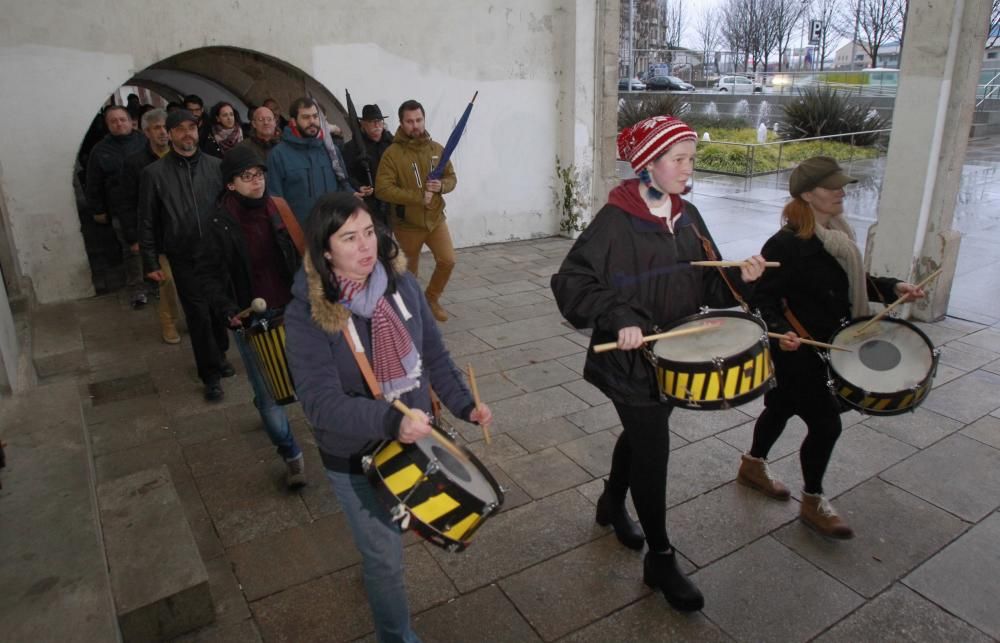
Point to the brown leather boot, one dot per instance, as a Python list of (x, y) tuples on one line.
[(817, 512), (167, 326), (439, 313), (754, 474)]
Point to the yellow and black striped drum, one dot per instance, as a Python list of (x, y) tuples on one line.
[(436, 486), (266, 338), (888, 370), (717, 369)]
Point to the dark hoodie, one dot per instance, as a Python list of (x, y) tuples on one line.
[(628, 269)]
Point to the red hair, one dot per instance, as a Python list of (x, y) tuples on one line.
[(798, 216)]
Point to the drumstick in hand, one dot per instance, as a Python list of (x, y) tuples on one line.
[(258, 306), (902, 298), (709, 325), (813, 342), (475, 397), (732, 264)]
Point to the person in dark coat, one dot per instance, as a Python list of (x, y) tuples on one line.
[(362, 156), (626, 275), (354, 282), (177, 196), (249, 254), (106, 193), (224, 130), (821, 283)]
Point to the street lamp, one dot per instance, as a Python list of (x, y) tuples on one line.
[(857, 20)]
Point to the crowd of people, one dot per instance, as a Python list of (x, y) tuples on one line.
[(218, 214)]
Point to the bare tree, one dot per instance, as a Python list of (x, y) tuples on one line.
[(826, 11), (783, 17), (709, 30), (675, 21), (877, 22)]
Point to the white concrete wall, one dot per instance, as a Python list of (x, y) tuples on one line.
[(59, 60)]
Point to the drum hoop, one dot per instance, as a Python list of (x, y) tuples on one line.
[(837, 376), (656, 360)]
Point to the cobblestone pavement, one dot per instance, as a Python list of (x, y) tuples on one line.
[(922, 490)]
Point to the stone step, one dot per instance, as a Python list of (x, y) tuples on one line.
[(57, 343), (158, 579), (55, 580)]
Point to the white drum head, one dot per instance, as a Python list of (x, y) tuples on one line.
[(730, 337), (457, 466), (887, 357)]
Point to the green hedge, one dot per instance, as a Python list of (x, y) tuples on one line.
[(736, 159)]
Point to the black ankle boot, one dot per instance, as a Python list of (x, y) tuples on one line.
[(610, 512), (660, 571)]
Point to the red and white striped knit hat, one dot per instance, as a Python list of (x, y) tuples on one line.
[(647, 140)]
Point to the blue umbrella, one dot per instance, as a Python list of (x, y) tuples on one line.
[(438, 171)]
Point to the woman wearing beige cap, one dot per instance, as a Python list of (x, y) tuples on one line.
[(821, 282)]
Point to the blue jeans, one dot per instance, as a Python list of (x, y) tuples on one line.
[(274, 417), (380, 543)]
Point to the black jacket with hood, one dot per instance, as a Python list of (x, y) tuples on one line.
[(628, 269)]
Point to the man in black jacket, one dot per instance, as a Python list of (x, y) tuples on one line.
[(177, 196), (154, 126), (362, 157), (106, 192)]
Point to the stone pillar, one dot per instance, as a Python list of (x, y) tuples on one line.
[(588, 110), (937, 91)]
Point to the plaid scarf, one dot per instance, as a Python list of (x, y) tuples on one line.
[(395, 359), (227, 138)]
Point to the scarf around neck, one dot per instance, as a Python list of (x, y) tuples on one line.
[(227, 138), (395, 360), (838, 239)]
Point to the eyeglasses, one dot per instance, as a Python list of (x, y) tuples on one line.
[(252, 175)]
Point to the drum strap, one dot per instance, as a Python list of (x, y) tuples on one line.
[(711, 256), (793, 320), (291, 224), (363, 364)]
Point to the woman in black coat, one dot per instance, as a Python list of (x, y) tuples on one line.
[(820, 284), (627, 274)]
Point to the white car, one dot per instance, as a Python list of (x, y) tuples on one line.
[(738, 85)]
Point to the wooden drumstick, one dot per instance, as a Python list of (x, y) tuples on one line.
[(813, 342), (732, 264), (475, 397), (902, 298), (258, 306), (712, 325)]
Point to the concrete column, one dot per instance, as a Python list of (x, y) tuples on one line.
[(937, 91)]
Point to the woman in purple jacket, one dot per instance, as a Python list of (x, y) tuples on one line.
[(354, 281)]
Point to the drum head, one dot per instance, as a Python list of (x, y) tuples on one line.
[(732, 336), (459, 466), (888, 357)]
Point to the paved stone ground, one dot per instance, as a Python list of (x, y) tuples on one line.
[(922, 490)]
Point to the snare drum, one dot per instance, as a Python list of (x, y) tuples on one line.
[(437, 484), (888, 370), (266, 338), (717, 369)]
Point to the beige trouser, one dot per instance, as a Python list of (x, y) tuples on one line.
[(169, 313), (439, 241)]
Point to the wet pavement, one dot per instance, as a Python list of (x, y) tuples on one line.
[(922, 490)]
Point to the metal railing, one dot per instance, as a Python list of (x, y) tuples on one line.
[(990, 89), (780, 160)]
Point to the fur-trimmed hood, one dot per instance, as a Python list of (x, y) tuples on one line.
[(328, 315)]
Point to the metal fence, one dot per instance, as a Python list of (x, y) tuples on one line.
[(758, 159)]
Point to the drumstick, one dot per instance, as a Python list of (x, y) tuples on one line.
[(732, 264), (408, 412), (888, 308), (475, 397), (258, 306), (610, 346), (813, 342)]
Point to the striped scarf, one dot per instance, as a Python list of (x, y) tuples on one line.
[(395, 359)]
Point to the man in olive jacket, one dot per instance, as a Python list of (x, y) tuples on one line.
[(419, 218)]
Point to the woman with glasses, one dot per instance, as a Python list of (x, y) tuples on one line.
[(250, 254)]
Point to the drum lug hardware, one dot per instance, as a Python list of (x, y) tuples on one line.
[(704, 310), (432, 467), (366, 463), (830, 384), (490, 508), (453, 548), (401, 515)]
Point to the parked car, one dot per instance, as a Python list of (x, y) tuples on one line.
[(669, 83), (637, 85), (738, 85)]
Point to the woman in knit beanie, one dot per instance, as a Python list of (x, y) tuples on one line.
[(627, 275)]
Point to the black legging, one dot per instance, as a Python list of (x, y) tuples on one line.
[(821, 413), (639, 462)]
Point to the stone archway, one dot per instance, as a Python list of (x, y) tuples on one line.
[(239, 76)]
